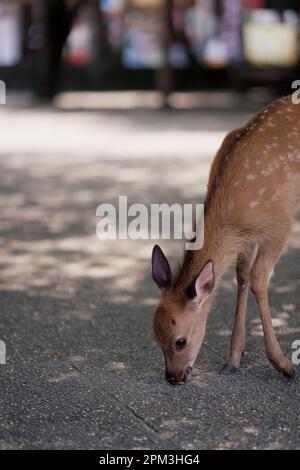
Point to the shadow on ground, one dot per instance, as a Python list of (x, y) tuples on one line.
[(82, 368)]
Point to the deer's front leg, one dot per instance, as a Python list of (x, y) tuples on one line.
[(237, 341)]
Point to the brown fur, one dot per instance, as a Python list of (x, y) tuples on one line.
[(253, 191)]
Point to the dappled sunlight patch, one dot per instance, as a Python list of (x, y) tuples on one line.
[(118, 366), (120, 298), (84, 314), (284, 289), (228, 284), (256, 330), (51, 193), (291, 330), (64, 377), (225, 445), (150, 301), (77, 359), (69, 129), (175, 423), (251, 430), (280, 321), (64, 290), (223, 332), (41, 263), (275, 445), (289, 307), (11, 200)]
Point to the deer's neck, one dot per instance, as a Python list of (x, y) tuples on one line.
[(221, 246)]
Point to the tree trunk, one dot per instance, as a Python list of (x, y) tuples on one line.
[(57, 20)]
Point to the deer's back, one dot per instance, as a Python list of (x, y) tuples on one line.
[(255, 177)]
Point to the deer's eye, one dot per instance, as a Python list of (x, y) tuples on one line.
[(180, 343)]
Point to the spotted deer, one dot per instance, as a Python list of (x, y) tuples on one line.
[(253, 192)]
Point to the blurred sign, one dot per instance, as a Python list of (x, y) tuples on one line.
[(270, 44), (10, 34), (79, 44), (142, 40), (82, 38), (112, 7)]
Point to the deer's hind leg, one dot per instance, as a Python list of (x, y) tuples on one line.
[(236, 349), (259, 277)]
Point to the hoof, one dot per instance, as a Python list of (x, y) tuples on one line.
[(228, 369), (288, 371), (291, 376)]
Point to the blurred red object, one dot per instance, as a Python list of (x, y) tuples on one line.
[(254, 4)]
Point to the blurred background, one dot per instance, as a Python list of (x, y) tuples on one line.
[(161, 45), (129, 97)]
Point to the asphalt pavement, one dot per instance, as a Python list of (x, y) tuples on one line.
[(83, 370)]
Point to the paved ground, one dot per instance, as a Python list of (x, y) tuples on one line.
[(82, 368)]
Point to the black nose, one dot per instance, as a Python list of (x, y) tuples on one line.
[(181, 378), (170, 378)]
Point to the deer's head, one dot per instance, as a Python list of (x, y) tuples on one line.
[(180, 318)]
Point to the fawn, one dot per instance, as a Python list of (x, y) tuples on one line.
[(253, 192)]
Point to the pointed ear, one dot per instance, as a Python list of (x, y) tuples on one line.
[(161, 271), (203, 285)]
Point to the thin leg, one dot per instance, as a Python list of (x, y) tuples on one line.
[(237, 341), (259, 278)]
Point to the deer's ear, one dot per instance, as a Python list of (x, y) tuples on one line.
[(161, 271), (205, 282)]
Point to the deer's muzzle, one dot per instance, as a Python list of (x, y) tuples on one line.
[(179, 378)]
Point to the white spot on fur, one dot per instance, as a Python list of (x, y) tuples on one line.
[(253, 204)]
